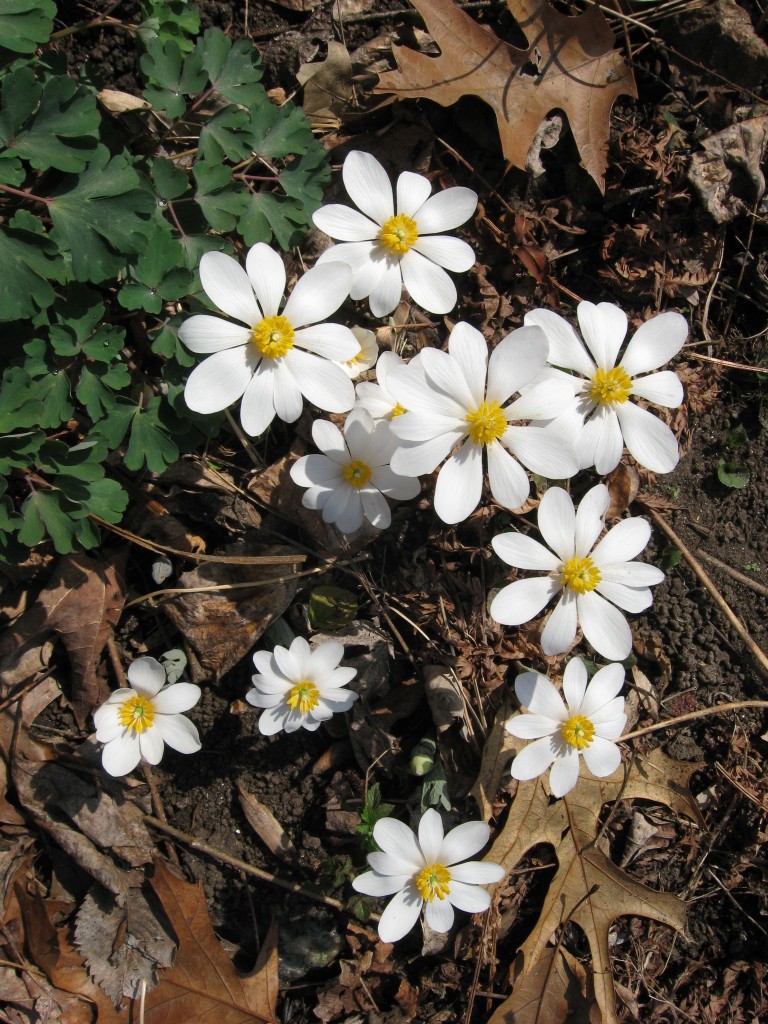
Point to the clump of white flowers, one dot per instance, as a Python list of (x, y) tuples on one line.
[(429, 870)]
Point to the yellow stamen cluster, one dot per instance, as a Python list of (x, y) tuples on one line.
[(303, 695), (433, 881), (397, 411), (611, 387), (356, 473), (137, 713), (273, 337), (580, 574), (578, 731), (399, 234), (487, 423)]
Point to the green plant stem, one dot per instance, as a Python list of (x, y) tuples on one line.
[(24, 195), (716, 709)]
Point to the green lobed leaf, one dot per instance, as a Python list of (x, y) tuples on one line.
[(19, 450), (279, 131), (234, 69), (226, 135), (48, 513), (149, 442), (29, 260), (96, 390), (106, 498), (171, 76), (25, 24), (220, 199), (80, 461), (169, 180), (113, 428), (307, 178), (158, 275), (103, 217), (52, 385), (177, 19), (20, 404), (268, 215)]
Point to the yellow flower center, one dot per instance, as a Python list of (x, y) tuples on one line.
[(399, 234), (578, 731), (137, 713), (397, 411), (303, 695), (273, 337), (611, 387), (356, 473), (486, 423), (355, 360), (433, 881), (580, 574)]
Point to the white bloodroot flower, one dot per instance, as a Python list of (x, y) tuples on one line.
[(589, 721), (592, 580), (348, 482), (376, 399), (386, 249), (604, 386), (427, 870), (461, 397), (300, 687), (277, 357), (138, 721), (366, 356)]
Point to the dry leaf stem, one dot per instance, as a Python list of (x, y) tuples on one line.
[(716, 709)]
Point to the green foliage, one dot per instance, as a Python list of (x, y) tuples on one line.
[(373, 810), (331, 607), (101, 233), (732, 475)]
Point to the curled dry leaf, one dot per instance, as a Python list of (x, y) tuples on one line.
[(267, 827), (328, 90), (556, 991), (570, 65)]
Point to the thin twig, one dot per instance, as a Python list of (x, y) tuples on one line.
[(244, 440), (722, 604), (734, 573), (727, 362), (716, 709)]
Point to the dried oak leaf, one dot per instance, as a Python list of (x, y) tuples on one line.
[(589, 890), (203, 984), (570, 65), (556, 990)]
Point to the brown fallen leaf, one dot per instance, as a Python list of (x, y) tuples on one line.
[(203, 984), (570, 64), (328, 90), (589, 890), (556, 991), (82, 604), (267, 827)]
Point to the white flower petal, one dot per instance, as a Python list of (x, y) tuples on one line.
[(286, 395), (345, 509), (288, 661), (649, 441), (469, 351), (147, 676), (522, 600), (557, 522), (565, 347), (539, 695), (329, 439), (179, 733), (508, 482), (396, 839), (420, 396), (383, 290), (655, 343), (534, 759), (476, 872), (332, 341), (544, 400), (460, 484), (468, 898), (400, 914), (373, 884), (565, 772), (604, 626), (427, 284), (602, 757), (574, 685), (401, 488), (421, 459), (610, 721), (630, 599), (325, 658), (601, 439), (151, 745), (524, 552), (375, 508), (463, 841), (413, 190), (663, 388), (430, 835), (357, 256), (590, 520), (623, 541), (317, 294), (446, 210), (176, 698), (107, 722), (446, 251), (603, 328), (266, 272), (221, 379), (344, 223), (634, 574), (226, 284), (439, 915), (368, 186), (515, 363), (385, 864), (605, 684), (315, 470), (531, 727), (204, 334), (257, 409), (321, 382), (273, 719), (121, 755), (560, 629), (542, 452), (259, 699)]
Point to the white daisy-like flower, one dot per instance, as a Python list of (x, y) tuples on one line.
[(367, 353), (589, 721), (431, 869), (348, 482), (460, 397), (604, 385), (592, 580), (387, 249), (138, 721), (299, 687), (278, 357), (376, 399)]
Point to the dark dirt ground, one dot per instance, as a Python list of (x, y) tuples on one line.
[(684, 644)]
